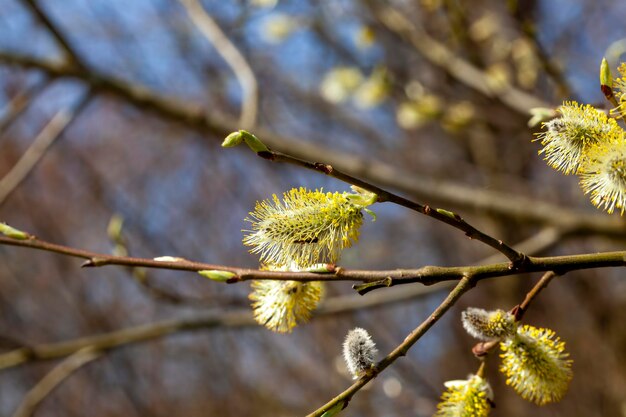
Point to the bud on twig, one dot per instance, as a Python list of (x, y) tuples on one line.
[(359, 351)]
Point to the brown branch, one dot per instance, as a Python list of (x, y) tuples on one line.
[(486, 202), (44, 140), (517, 259), (237, 318), (482, 349), (19, 103), (373, 279), (68, 50), (53, 379), (463, 286), (235, 60), (545, 280)]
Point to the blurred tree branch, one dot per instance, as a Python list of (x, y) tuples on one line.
[(42, 142), (68, 50), (235, 60), (53, 379)]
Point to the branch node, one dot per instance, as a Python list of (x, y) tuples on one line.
[(325, 168)]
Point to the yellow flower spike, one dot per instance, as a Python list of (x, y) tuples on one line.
[(619, 84), (305, 228), (536, 365), (466, 398), (603, 175), (281, 305), (568, 137), (488, 325)]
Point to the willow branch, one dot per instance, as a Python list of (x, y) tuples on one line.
[(452, 219), (372, 279), (486, 202), (231, 55), (145, 333), (53, 379), (35, 152), (545, 280), (463, 286), (68, 50), (482, 349)]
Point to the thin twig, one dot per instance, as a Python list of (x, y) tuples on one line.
[(517, 259), (545, 280), (53, 379), (235, 60), (482, 349), (69, 51), (52, 131), (463, 286), (19, 103)]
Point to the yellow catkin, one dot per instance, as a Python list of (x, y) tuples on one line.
[(465, 398), (305, 228), (536, 365), (567, 138)]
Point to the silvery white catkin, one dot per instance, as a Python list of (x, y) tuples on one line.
[(359, 351)]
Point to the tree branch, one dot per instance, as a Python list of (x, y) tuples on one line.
[(44, 140), (69, 51), (53, 379), (461, 288), (426, 275), (452, 219), (235, 60)]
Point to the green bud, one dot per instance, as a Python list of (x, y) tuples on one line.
[(252, 141), (13, 233), (319, 269), (336, 409), (362, 198), (114, 229), (605, 74), (232, 140), (220, 276), (446, 213)]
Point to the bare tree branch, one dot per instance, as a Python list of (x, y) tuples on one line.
[(426, 275), (69, 51), (53, 379), (461, 288), (19, 104), (233, 57), (52, 131)]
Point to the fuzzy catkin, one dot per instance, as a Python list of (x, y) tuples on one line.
[(359, 351)]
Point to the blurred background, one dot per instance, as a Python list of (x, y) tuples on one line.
[(115, 110)]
